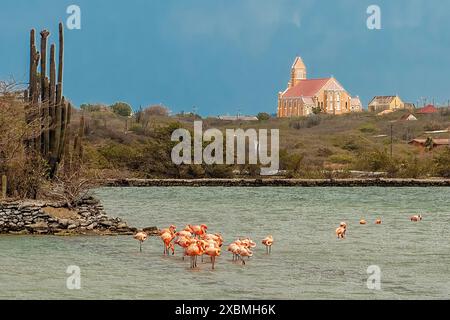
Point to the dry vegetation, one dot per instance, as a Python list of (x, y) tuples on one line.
[(323, 146)]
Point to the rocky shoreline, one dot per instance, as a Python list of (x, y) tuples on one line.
[(53, 218), (277, 182)]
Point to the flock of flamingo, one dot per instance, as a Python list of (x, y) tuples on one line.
[(195, 241), (342, 229)]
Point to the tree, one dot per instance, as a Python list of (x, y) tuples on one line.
[(121, 108), (157, 110), (316, 110), (263, 116)]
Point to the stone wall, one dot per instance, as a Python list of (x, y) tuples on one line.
[(39, 217), (273, 182)]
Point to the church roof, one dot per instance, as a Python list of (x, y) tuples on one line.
[(306, 88), (355, 101), (298, 63)]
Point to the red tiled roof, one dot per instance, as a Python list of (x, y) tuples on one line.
[(436, 142), (306, 88), (428, 109)]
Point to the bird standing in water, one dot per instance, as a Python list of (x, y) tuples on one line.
[(268, 241), (141, 236)]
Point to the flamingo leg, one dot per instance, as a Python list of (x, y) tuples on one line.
[(213, 260), (140, 246)]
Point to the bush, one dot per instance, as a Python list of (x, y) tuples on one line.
[(351, 145), (367, 128), (442, 163), (156, 110), (262, 116), (122, 109), (312, 121), (308, 122), (324, 152), (432, 126), (376, 160), (291, 162)]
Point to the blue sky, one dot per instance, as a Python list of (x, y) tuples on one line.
[(228, 55)]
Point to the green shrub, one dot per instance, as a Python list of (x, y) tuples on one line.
[(121, 108), (442, 163), (262, 116), (367, 128)]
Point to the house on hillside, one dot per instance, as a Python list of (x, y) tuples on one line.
[(430, 143), (381, 103), (429, 109), (408, 117), (355, 104), (303, 95)]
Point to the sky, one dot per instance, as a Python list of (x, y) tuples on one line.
[(230, 56)]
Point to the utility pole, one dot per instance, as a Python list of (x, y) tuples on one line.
[(392, 140)]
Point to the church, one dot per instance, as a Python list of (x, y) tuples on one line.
[(304, 96)]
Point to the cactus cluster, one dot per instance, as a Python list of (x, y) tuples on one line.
[(48, 112)]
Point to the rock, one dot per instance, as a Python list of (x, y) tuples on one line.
[(64, 233), (106, 223), (21, 232), (91, 226), (150, 229), (122, 225), (72, 226), (39, 225), (64, 222)]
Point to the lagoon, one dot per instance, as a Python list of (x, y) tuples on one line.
[(307, 261)]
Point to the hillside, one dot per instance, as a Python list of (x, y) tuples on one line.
[(317, 147)]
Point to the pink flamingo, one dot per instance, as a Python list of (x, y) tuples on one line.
[(141, 236), (268, 241)]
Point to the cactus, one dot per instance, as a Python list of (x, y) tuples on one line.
[(61, 55), (44, 36), (46, 120), (52, 98), (47, 109), (63, 126)]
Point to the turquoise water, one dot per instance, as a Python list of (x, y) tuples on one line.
[(307, 261)]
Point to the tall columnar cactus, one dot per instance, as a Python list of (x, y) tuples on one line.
[(61, 54), (52, 99), (44, 36), (46, 119), (47, 109)]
